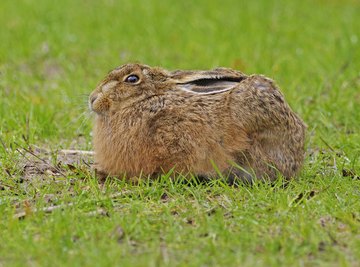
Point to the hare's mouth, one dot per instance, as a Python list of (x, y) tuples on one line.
[(92, 99), (99, 104)]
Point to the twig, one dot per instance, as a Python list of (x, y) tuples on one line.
[(82, 152), (68, 151), (23, 214), (99, 211)]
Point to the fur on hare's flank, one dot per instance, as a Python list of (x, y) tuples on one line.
[(151, 121)]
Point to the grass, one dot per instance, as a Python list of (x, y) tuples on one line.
[(52, 55)]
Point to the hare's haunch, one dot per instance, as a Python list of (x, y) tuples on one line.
[(150, 121)]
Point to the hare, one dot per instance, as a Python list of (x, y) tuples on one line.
[(204, 123)]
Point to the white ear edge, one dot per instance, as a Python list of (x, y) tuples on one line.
[(188, 89)]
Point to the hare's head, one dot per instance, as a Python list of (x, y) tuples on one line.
[(127, 83), (131, 83)]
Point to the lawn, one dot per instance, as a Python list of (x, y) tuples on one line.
[(55, 213)]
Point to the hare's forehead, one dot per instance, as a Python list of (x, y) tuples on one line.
[(123, 71)]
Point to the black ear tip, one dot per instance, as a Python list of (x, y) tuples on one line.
[(216, 80)]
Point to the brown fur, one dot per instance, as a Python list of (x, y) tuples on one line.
[(191, 120)]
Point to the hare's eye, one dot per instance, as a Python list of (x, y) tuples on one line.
[(132, 79)]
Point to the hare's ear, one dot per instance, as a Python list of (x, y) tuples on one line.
[(207, 82)]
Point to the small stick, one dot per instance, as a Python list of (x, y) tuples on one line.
[(82, 152), (22, 214), (50, 209), (99, 211)]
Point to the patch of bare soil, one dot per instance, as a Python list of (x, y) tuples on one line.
[(42, 163)]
